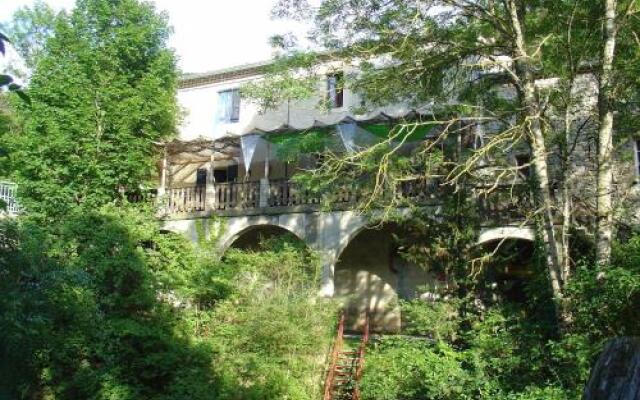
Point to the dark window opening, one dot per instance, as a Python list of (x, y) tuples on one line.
[(523, 161), (638, 157), (224, 175), (232, 173), (201, 177), (335, 90), (220, 175)]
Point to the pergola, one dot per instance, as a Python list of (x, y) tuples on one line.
[(257, 144)]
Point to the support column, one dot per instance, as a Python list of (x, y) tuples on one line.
[(264, 182), (161, 198), (327, 282), (210, 196), (163, 175)]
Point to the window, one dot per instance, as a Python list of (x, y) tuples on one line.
[(220, 175), (201, 177), (637, 155), (335, 90), (228, 174), (522, 161), (229, 105)]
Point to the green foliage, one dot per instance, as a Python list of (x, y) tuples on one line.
[(413, 369), (286, 81), (30, 28), (605, 301), (437, 320), (81, 309), (104, 306), (508, 350), (102, 92), (271, 332), (498, 354)]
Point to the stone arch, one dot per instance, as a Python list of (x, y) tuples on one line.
[(506, 232), (233, 227), (365, 279), (347, 238), (511, 266), (232, 238)]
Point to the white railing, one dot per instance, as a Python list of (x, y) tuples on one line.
[(241, 195), (186, 199), (8, 196)]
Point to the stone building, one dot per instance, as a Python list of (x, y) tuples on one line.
[(222, 177)]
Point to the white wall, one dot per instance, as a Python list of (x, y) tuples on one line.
[(199, 105)]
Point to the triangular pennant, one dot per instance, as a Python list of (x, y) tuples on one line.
[(347, 133), (249, 144)]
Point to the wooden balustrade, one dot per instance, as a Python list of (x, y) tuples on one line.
[(283, 192), (186, 199), (501, 204), (505, 203), (418, 190), (233, 195), (8, 196)]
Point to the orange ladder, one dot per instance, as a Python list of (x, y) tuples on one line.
[(345, 367)]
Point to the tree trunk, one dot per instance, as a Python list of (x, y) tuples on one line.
[(604, 229), (532, 121), (616, 374)]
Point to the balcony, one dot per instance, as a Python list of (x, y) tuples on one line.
[(233, 198), (504, 204)]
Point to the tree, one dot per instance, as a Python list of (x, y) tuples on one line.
[(617, 112), (103, 91), (477, 64), (518, 75), (30, 28)]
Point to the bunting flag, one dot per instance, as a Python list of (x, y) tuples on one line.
[(249, 143), (348, 136), (347, 133)]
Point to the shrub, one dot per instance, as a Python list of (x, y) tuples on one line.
[(271, 334), (437, 320)]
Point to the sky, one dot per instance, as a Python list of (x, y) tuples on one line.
[(208, 34)]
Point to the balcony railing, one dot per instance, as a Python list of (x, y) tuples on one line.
[(8, 197), (285, 193), (229, 196), (501, 204), (186, 199)]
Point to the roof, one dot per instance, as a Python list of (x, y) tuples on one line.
[(189, 80)]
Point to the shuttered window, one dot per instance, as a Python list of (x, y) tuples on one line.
[(229, 105), (335, 90)]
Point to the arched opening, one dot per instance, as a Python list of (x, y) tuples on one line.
[(371, 276), (511, 267), (252, 237)]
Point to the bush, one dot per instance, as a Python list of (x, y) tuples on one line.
[(103, 306), (271, 334), (83, 298), (437, 320), (414, 369), (503, 352)]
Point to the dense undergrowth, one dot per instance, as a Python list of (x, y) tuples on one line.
[(508, 349), (103, 306)]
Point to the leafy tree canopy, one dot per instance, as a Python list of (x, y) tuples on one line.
[(29, 30), (103, 91)]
